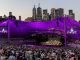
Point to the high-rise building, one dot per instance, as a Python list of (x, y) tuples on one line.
[(10, 13), (11, 16), (52, 13), (39, 13), (45, 11), (34, 13), (45, 15), (49, 16), (71, 14), (19, 17), (59, 12)]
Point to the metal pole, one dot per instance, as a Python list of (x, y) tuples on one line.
[(65, 30), (8, 31)]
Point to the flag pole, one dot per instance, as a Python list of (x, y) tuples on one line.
[(65, 32), (8, 31)]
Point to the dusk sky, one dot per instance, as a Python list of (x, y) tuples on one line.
[(24, 7)]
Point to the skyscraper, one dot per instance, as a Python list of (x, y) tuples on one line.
[(39, 13), (45, 11), (45, 15), (52, 13), (11, 16), (59, 12), (34, 14), (19, 17), (10, 13), (71, 14)]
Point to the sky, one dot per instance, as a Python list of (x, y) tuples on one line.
[(24, 7)]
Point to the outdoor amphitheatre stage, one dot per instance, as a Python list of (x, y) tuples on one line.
[(57, 32)]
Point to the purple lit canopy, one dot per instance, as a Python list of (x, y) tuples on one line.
[(21, 28)]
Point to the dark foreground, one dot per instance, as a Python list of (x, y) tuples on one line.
[(37, 53)]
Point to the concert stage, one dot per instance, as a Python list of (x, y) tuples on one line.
[(54, 32)]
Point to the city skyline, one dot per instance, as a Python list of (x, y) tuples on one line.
[(24, 8)]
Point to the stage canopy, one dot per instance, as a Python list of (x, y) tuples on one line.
[(62, 25)]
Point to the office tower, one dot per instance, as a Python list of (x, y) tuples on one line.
[(59, 12), (39, 13), (45, 15), (45, 11), (56, 13), (52, 13), (10, 13), (49, 16), (11, 16), (71, 14), (19, 17), (34, 13)]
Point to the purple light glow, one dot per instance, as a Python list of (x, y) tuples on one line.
[(3, 31), (20, 28)]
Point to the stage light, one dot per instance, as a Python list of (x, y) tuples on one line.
[(3, 31), (72, 31)]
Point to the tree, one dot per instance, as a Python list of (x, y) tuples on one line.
[(4, 16)]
